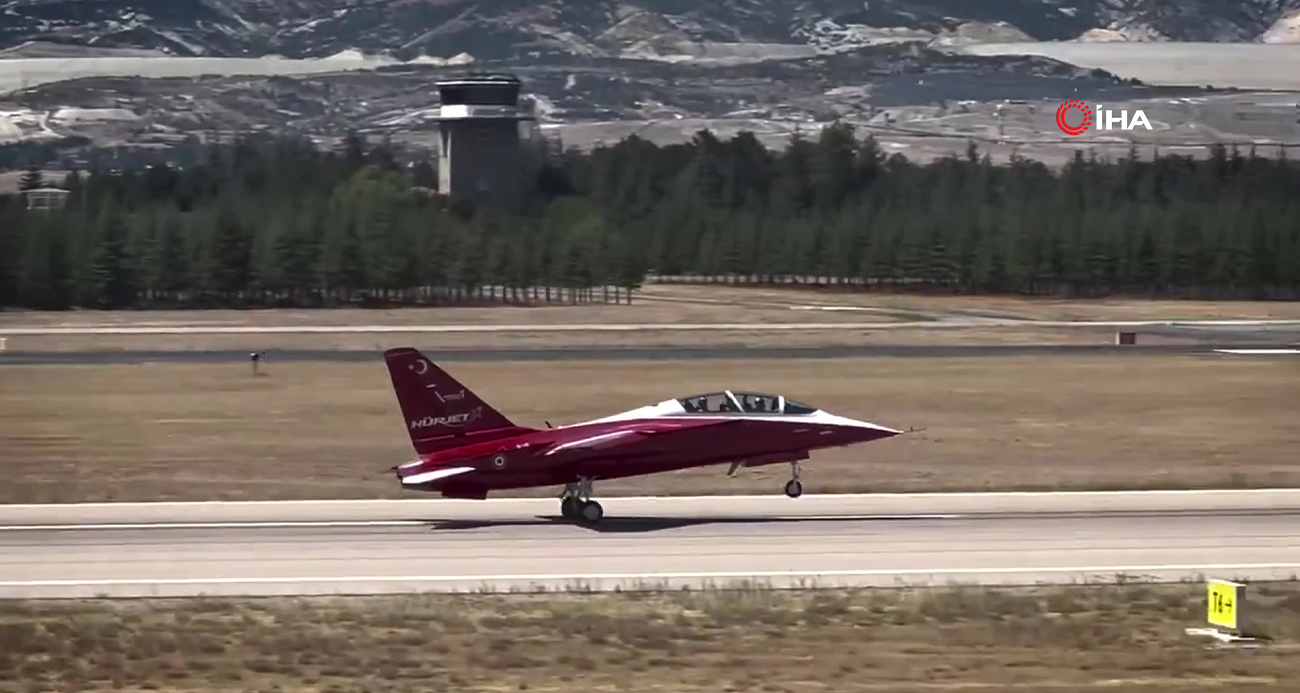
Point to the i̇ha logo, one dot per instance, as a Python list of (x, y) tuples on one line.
[(1106, 120), (1073, 105)]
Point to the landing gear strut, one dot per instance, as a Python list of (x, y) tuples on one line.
[(576, 503), (793, 488)]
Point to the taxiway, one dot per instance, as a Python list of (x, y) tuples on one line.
[(618, 353), (372, 547), (953, 323)]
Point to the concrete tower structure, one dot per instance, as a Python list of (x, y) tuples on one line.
[(480, 155)]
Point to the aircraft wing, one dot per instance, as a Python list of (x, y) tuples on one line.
[(599, 441), (602, 441)]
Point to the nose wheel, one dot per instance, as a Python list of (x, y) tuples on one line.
[(793, 487), (576, 503)]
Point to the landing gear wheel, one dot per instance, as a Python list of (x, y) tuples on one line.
[(793, 488), (592, 512), (570, 508)]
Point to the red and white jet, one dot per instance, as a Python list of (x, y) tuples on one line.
[(466, 448)]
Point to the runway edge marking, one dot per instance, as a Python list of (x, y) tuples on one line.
[(649, 576), (290, 524), (724, 497), (233, 524)]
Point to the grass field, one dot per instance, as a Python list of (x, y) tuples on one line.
[(1125, 638), (162, 432), (666, 304), (638, 312), (701, 304), (907, 305)]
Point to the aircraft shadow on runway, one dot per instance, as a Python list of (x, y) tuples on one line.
[(632, 524)]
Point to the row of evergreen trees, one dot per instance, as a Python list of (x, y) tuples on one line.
[(274, 221)]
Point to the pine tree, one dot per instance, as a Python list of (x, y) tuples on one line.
[(31, 179), (231, 255), (266, 220)]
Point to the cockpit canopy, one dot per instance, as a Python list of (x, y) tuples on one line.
[(728, 402)]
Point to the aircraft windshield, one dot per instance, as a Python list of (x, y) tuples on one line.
[(755, 403), (792, 407), (712, 403), (742, 402)]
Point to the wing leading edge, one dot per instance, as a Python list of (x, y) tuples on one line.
[(600, 441), (630, 436)]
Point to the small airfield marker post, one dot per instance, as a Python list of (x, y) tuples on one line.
[(2, 343), (1225, 612), (254, 358)]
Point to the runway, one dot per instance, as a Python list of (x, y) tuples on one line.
[(373, 547), (950, 323), (135, 357)]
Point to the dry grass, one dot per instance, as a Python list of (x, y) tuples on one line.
[(669, 311), (899, 305), (1116, 309), (1125, 638), (698, 304), (662, 303), (159, 432)]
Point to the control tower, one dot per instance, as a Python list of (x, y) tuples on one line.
[(480, 157)]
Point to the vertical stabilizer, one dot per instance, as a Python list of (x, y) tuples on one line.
[(440, 412)]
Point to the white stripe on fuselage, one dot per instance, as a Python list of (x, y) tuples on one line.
[(583, 442), (426, 477), (672, 409)]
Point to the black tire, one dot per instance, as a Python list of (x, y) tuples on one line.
[(570, 509), (592, 512)]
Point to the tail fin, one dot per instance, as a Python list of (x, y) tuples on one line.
[(440, 413)]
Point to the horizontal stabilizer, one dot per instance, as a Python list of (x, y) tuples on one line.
[(426, 477)]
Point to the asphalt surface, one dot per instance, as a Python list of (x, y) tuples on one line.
[(639, 327), (371, 547), (19, 358)]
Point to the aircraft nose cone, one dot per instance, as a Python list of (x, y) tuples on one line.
[(876, 430)]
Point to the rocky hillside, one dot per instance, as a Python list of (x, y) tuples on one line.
[(672, 29)]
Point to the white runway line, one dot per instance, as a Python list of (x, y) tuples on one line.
[(807, 497), (575, 577), (214, 525), (392, 523), (628, 327), (1258, 351)]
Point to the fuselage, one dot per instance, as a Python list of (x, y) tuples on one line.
[(719, 428)]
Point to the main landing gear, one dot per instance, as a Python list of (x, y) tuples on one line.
[(793, 488), (576, 503)]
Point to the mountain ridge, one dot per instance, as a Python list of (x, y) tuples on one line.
[(512, 29)]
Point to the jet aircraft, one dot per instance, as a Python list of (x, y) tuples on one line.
[(465, 448)]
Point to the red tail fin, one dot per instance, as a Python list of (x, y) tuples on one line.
[(440, 413)]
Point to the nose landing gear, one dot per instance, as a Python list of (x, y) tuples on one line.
[(576, 503), (793, 488)]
